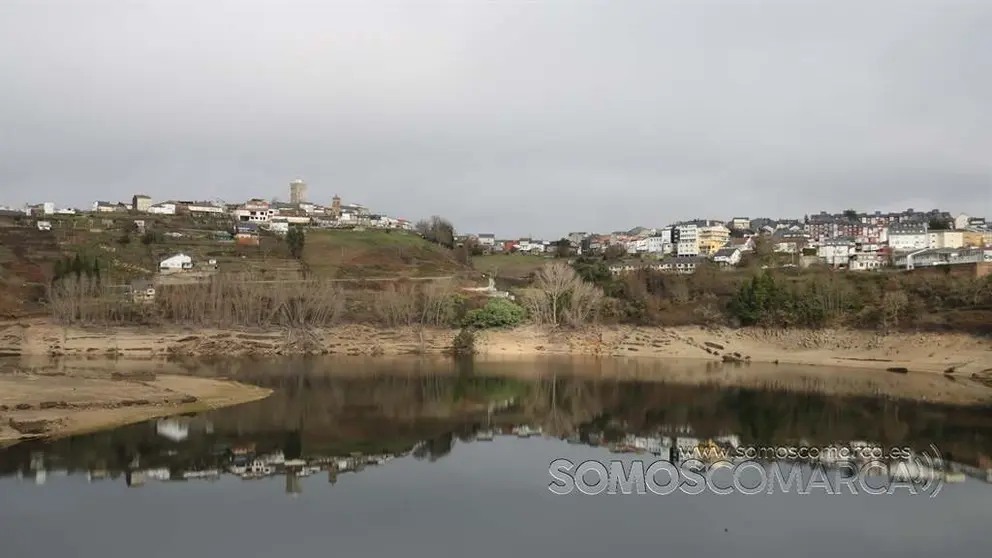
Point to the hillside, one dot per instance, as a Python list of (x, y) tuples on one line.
[(26, 260), (344, 254), (127, 251)]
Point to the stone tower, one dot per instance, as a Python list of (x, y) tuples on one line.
[(336, 207)]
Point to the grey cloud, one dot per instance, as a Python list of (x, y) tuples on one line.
[(514, 117)]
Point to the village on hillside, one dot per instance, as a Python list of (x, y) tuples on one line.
[(851, 240)]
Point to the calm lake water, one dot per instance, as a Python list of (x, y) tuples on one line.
[(357, 459)]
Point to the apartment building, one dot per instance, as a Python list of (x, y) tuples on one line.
[(908, 236), (712, 237), (685, 240)]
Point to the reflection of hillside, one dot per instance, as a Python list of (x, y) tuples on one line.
[(369, 414), (318, 413)]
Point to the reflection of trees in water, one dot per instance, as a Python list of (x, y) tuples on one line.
[(316, 411), (559, 403)]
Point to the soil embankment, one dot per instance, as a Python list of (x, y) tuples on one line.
[(943, 353)]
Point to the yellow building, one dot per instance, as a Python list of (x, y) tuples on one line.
[(975, 239), (712, 238)]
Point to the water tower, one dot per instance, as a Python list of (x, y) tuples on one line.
[(297, 192)]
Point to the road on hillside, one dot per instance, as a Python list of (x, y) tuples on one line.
[(182, 281)]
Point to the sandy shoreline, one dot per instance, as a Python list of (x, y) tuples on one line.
[(62, 401), (953, 353)]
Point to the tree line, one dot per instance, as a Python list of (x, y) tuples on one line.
[(792, 298)]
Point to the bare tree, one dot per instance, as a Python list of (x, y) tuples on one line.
[(583, 303), (559, 296), (436, 300), (396, 305), (894, 303)]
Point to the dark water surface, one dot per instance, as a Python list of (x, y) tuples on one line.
[(455, 462)]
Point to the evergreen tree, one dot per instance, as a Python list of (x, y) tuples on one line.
[(296, 240)]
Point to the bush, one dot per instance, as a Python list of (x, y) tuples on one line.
[(464, 343), (152, 237), (498, 312)]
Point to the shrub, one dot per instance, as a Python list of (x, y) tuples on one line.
[(498, 312), (464, 343), (152, 237)]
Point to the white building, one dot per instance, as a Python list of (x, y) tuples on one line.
[(105, 207), (685, 239), (961, 222), (728, 256), (650, 245), (255, 211), (867, 262), (141, 203), (179, 262), (906, 237), (165, 208), (203, 207), (279, 227), (487, 239), (836, 251), (739, 223), (683, 265), (946, 239), (291, 219), (531, 246)]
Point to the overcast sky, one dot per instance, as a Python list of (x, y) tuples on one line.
[(508, 116)]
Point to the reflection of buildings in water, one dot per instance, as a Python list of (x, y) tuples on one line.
[(172, 429), (208, 474), (293, 484), (676, 429), (484, 436), (158, 473), (135, 478), (96, 475), (526, 431), (38, 466), (960, 470)]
